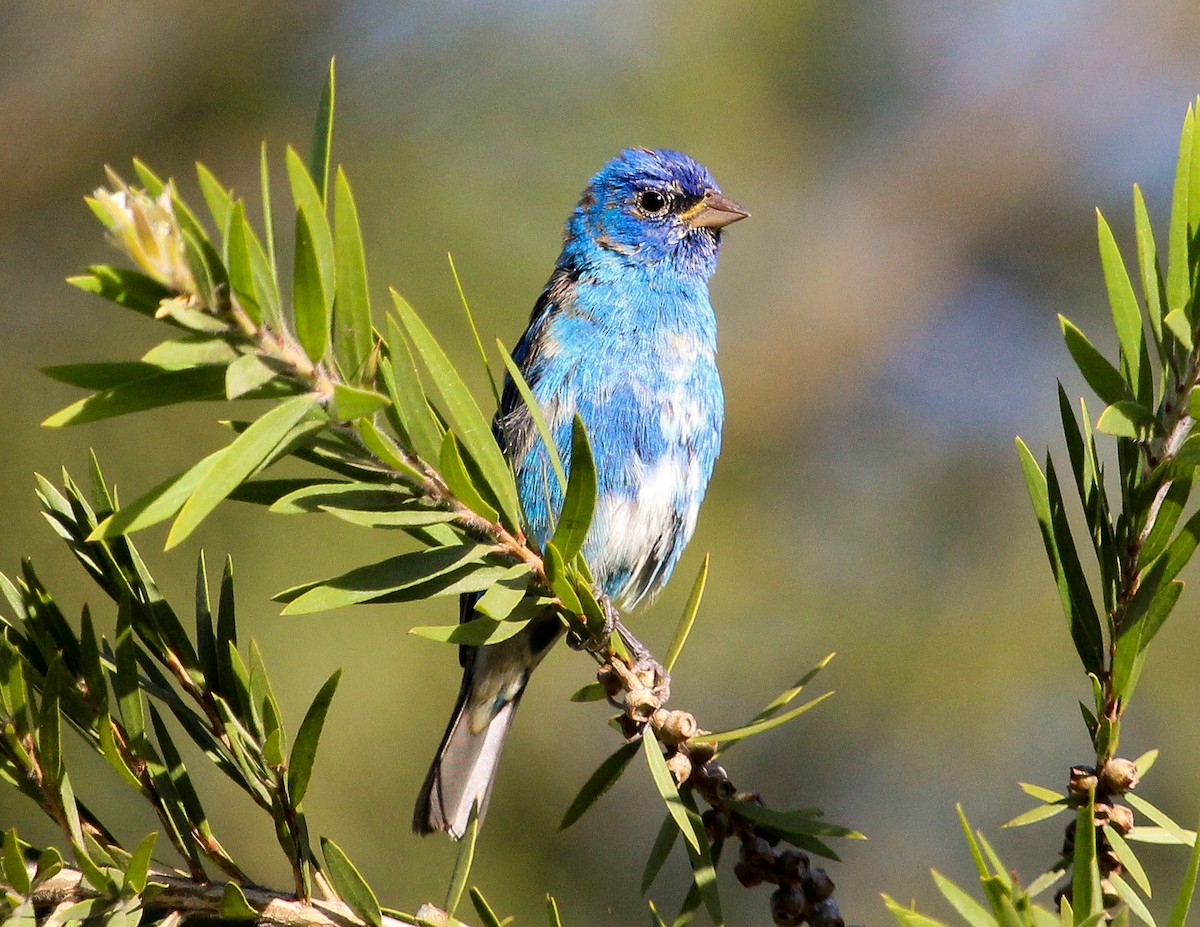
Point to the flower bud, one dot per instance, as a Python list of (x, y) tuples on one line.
[(788, 907), (1118, 775)]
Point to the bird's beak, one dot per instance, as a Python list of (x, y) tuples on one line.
[(714, 211)]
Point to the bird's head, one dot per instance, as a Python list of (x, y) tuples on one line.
[(655, 208)]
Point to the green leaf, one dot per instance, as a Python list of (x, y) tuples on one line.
[(304, 750), (458, 479), (1127, 316), (477, 632), (535, 413), (575, 518), (1151, 605), (187, 351), (967, 907), (592, 692), (791, 824), (1169, 512), (1179, 289), (1085, 879), (353, 335), (102, 375), (1160, 836), (552, 912), (1101, 376), (1128, 859), (749, 730), (1160, 818), (166, 388), (665, 784), (1178, 324), (462, 862), (484, 910), (502, 597), (907, 917), (462, 297), (704, 873), (1041, 792), (598, 783), (234, 906), (663, 844), (15, 872), (322, 141), (418, 427), (348, 882), (1127, 419), (159, 504), (249, 278), (1130, 897), (559, 582), (688, 618), (128, 288), (351, 402), (137, 871), (1077, 604), (311, 301), (125, 683), (370, 582), (246, 374), (1187, 888), (220, 203), (473, 429), (237, 462), (1151, 278), (1039, 813)]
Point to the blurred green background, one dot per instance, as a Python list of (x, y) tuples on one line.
[(922, 177)]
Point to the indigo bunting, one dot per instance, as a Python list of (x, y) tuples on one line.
[(624, 335)]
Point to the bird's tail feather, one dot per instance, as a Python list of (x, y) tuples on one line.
[(464, 770)]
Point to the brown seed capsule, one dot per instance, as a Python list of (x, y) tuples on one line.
[(757, 852), (825, 914), (629, 728), (680, 766), (1118, 775), (608, 678), (749, 876), (717, 825), (1083, 780), (788, 907), (641, 703), (1108, 893), (1109, 864), (1120, 818), (818, 886), (723, 789), (679, 726), (791, 866)]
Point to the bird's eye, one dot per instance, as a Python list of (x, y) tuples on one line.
[(652, 203)]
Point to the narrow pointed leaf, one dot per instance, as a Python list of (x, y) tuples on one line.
[(1187, 889), (486, 915), (598, 783), (665, 784), (552, 912), (967, 907), (237, 463), (1127, 419), (477, 632), (167, 388), (664, 842), (1126, 893), (1039, 813), (462, 862), (234, 906), (128, 288), (322, 141), (353, 336), (454, 472), (688, 618), (1128, 859), (1151, 278), (500, 600), (740, 733), (416, 419), (473, 429), (138, 869), (159, 504), (311, 301), (1178, 256), (1085, 880), (352, 402), (304, 750), (1127, 315), (1100, 374), (535, 413), (575, 517), (348, 882)]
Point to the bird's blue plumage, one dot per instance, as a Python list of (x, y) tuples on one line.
[(624, 336)]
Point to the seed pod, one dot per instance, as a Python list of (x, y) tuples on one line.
[(717, 825), (1108, 893), (1120, 818), (680, 766), (1083, 780), (678, 726), (748, 876), (1118, 775), (818, 886), (757, 852), (788, 907), (641, 703), (825, 914), (791, 866)]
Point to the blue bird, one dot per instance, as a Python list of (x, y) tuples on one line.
[(624, 335)]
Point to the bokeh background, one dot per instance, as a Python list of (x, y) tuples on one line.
[(922, 178)]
